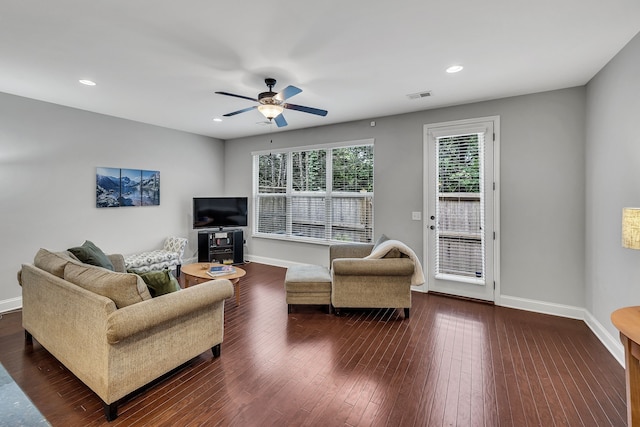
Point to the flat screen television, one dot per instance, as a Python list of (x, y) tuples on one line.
[(219, 212)]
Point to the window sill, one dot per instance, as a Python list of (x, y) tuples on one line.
[(300, 240)]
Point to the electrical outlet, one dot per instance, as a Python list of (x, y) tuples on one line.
[(416, 216)]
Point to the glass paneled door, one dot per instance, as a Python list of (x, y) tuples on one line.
[(460, 208)]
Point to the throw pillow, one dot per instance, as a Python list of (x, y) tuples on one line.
[(123, 289), (381, 239), (89, 253), (160, 282)]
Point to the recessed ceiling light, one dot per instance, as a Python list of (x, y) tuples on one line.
[(87, 82), (217, 119), (454, 69)]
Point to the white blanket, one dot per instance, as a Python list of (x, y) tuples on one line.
[(383, 248)]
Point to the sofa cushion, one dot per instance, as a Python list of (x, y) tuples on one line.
[(89, 253), (160, 282), (52, 262), (123, 289)]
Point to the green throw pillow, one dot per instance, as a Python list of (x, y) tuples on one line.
[(160, 282), (91, 254)]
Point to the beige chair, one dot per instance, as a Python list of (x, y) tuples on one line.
[(359, 282)]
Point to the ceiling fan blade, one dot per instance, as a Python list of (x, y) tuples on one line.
[(280, 121), (287, 93), (237, 96), (244, 110), (304, 109)]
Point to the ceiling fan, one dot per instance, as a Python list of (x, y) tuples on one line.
[(272, 104)]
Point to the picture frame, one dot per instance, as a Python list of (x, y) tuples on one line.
[(120, 187)]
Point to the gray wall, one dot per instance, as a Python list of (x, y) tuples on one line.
[(542, 186), (612, 182), (49, 155), (48, 160)]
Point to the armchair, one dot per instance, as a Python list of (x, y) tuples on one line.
[(362, 279)]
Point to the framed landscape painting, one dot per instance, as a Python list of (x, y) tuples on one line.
[(150, 188), (107, 188), (130, 187), (127, 187)]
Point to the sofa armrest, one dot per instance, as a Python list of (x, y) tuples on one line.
[(349, 250), (372, 267), (136, 318), (118, 262)]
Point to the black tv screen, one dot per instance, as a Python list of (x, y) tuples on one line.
[(219, 212)]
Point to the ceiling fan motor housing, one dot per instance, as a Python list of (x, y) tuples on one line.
[(267, 98)]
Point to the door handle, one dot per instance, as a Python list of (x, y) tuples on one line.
[(433, 227)]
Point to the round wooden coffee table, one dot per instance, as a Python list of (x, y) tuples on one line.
[(197, 273)]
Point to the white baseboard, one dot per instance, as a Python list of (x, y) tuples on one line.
[(612, 343), (10, 304), (543, 307), (572, 312), (420, 288)]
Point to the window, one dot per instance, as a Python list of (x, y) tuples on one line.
[(319, 194), (460, 206)]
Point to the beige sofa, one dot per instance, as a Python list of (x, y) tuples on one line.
[(361, 282), (117, 345)]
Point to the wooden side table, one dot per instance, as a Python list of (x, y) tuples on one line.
[(197, 273), (627, 320)]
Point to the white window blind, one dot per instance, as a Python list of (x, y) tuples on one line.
[(272, 186), (460, 206), (320, 194)]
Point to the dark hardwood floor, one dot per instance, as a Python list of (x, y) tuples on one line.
[(453, 363)]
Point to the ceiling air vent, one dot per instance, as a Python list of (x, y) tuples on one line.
[(419, 95)]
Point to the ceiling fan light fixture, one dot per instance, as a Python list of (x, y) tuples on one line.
[(271, 104), (270, 111)]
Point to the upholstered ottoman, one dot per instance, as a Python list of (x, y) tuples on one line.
[(308, 284)]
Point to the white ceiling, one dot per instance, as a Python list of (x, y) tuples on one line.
[(160, 61)]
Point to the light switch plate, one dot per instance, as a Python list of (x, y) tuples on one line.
[(416, 216)]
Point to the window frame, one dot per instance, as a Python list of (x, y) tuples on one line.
[(329, 195)]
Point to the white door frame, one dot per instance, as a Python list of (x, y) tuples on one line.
[(496, 198)]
